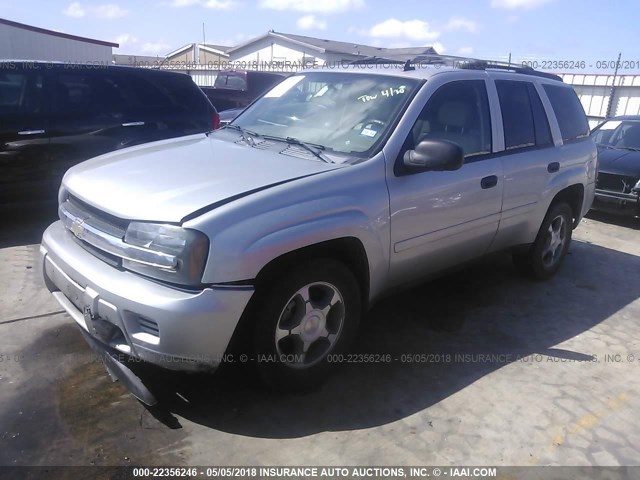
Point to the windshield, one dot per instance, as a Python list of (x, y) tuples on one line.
[(339, 112), (619, 134)]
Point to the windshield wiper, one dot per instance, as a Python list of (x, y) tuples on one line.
[(313, 148), (246, 135)]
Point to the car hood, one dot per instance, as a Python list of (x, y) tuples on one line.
[(619, 161), (168, 180)]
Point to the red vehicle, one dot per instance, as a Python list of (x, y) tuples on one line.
[(238, 88)]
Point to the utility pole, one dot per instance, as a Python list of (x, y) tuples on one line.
[(613, 87)]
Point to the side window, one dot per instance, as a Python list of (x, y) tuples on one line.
[(147, 93), (174, 92), (89, 93), (72, 93), (458, 112), (540, 120), (517, 117), (109, 93), (20, 93), (568, 110)]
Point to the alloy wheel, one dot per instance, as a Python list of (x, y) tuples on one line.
[(309, 325)]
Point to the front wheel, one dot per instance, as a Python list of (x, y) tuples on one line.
[(310, 313), (545, 257)]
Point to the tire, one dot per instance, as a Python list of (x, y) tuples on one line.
[(312, 311), (546, 255)]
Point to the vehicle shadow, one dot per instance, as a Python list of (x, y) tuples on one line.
[(618, 220), (24, 225), (472, 322)]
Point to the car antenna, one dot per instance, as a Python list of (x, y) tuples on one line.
[(408, 67)]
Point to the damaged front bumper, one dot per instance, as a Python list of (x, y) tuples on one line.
[(123, 313), (617, 203)]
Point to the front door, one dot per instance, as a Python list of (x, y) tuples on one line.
[(25, 170), (439, 219)]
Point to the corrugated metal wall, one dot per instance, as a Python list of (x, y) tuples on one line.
[(594, 92), (18, 43)]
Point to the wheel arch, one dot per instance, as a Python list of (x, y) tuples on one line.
[(573, 195), (348, 250)]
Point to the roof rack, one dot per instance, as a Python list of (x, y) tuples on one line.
[(378, 60), (490, 65), (455, 62)]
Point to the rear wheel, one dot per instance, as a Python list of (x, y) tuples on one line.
[(545, 257), (311, 313)]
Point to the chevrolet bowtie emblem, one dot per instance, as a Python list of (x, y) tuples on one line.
[(77, 229)]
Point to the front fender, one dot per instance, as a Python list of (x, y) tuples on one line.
[(249, 249), (247, 234)]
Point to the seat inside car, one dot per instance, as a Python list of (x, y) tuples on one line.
[(454, 122), (455, 125)]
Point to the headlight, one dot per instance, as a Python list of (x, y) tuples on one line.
[(637, 187), (187, 250)]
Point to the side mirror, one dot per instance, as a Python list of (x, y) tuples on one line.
[(434, 155)]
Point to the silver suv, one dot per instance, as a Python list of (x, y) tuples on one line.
[(334, 188)]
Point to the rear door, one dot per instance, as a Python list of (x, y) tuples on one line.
[(91, 115), (25, 170), (167, 105), (529, 159)]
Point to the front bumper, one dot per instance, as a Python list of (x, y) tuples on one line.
[(172, 328), (617, 203)]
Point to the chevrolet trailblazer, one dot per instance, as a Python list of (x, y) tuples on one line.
[(333, 188)]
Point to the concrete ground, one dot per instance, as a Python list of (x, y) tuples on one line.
[(520, 373)]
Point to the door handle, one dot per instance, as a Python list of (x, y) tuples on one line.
[(553, 167), (30, 132), (133, 124), (489, 182)]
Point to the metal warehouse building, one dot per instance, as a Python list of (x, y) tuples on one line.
[(25, 42), (605, 96)]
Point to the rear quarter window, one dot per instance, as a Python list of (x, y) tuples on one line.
[(174, 92), (568, 111), (231, 81)]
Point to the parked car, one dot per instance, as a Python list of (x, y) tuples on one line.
[(330, 191), (238, 88), (55, 115), (227, 116), (618, 184)]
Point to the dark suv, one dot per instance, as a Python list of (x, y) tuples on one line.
[(55, 115)]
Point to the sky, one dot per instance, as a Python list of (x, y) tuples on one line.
[(542, 31)]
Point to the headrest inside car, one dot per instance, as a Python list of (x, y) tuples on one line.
[(454, 114)]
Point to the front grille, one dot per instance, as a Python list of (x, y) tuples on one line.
[(615, 183), (106, 233), (102, 221), (110, 225), (101, 254)]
